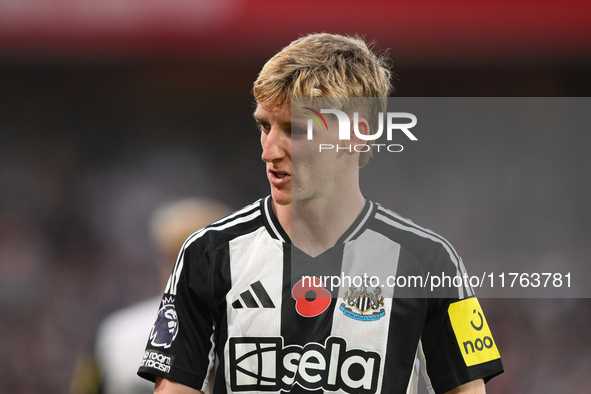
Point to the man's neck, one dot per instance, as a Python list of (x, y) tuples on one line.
[(315, 226)]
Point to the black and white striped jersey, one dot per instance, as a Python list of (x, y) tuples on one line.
[(246, 311)]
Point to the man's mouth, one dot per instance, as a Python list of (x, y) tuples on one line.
[(278, 177)]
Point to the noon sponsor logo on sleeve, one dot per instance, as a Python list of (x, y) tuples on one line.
[(474, 338)]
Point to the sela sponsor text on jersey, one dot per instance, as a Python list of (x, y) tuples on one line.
[(264, 364)]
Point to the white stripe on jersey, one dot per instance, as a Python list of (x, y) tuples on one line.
[(219, 225), (254, 257), (371, 254), (425, 233)]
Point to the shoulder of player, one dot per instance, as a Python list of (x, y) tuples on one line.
[(220, 232), (418, 240)]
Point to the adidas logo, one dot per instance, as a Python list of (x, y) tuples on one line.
[(249, 299)]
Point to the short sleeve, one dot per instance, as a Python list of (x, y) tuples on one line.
[(180, 346)]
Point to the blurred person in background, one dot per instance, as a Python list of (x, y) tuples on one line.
[(235, 318), (121, 336)]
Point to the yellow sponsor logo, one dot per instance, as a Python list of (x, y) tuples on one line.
[(472, 333)]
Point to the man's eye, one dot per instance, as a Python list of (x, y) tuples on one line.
[(262, 127)]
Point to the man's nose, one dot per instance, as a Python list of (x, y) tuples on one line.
[(273, 145)]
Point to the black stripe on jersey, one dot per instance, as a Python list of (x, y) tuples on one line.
[(407, 319), (295, 328), (222, 320)]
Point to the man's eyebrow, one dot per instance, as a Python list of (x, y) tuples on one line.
[(258, 117), (262, 119)]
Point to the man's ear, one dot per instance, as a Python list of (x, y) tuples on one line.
[(362, 128)]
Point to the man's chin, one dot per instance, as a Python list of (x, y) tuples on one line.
[(281, 198)]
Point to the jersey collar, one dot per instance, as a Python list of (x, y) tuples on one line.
[(271, 221), (277, 232)]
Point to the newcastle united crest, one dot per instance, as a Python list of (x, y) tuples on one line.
[(363, 303)]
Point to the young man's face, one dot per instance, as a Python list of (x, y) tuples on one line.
[(275, 125), (296, 170)]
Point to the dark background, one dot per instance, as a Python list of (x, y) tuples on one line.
[(108, 110)]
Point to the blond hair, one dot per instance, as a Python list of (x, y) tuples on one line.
[(326, 65)]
